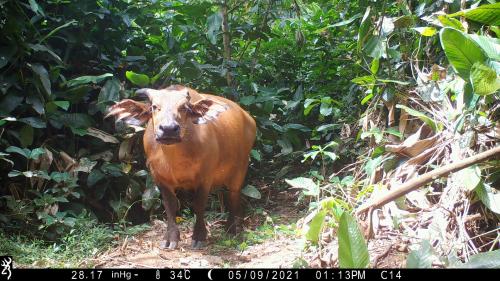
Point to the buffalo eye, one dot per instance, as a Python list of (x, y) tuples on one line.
[(154, 107)]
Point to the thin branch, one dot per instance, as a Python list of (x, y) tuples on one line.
[(429, 177)]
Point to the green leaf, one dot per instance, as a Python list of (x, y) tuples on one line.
[(26, 135), (214, 24), (484, 260), (251, 191), (255, 155), (87, 80), (353, 252), (315, 226), (309, 186), (487, 14), (141, 80), (325, 109), (469, 177), (489, 196), (62, 104), (110, 91), (422, 258), (426, 31), (491, 46), (35, 153), (461, 51), (374, 66), (376, 47), (451, 22), (35, 122), (299, 127), (366, 99), (55, 30), (22, 151), (364, 27), (484, 79), (372, 164), (150, 197), (426, 119), (43, 75), (36, 8), (95, 176), (364, 80)]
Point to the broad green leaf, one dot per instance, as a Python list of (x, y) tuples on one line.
[(353, 252), (35, 122), (110, 91), (141, 80), (255, 155), (363, 29), (330, 155), (214, 23), (486, 14), (426, 31), (491, 46), (344, 22), (426, 119), (35, 153), (372, 164), (251, 191), (484, 260), (310, 187), (43, 75), (299, 127), (95, 176), (468, 177), (325, 109), (484, 79), (150, 197), (489, 196), (376, 47), (22, 151), (88, 79), (315, 226), (26, 135), (461, 51), (451, 22), (422, 258), (62, 104)]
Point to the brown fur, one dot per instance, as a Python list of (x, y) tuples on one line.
[(213, 152)]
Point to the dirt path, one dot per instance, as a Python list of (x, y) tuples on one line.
[(270, 235)]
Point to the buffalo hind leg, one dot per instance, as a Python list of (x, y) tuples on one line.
[(234, 221), (200, 229), (170, 203)]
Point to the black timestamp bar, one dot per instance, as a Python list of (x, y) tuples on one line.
[(234, 274)]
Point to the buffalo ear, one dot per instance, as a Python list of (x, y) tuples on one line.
[(205, 110), (133, 112)]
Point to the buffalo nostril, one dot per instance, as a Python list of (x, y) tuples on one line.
[(170, 129)]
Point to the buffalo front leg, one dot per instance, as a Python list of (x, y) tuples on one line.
[(170, 204), (200, 229)]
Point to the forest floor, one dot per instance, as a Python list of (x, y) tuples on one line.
[(271, 239)]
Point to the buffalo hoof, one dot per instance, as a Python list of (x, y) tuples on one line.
[(197, 244), (168, 245)]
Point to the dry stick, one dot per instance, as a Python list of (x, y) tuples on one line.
[(429, 177)]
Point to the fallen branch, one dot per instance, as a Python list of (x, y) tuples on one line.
[(427, 178)]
